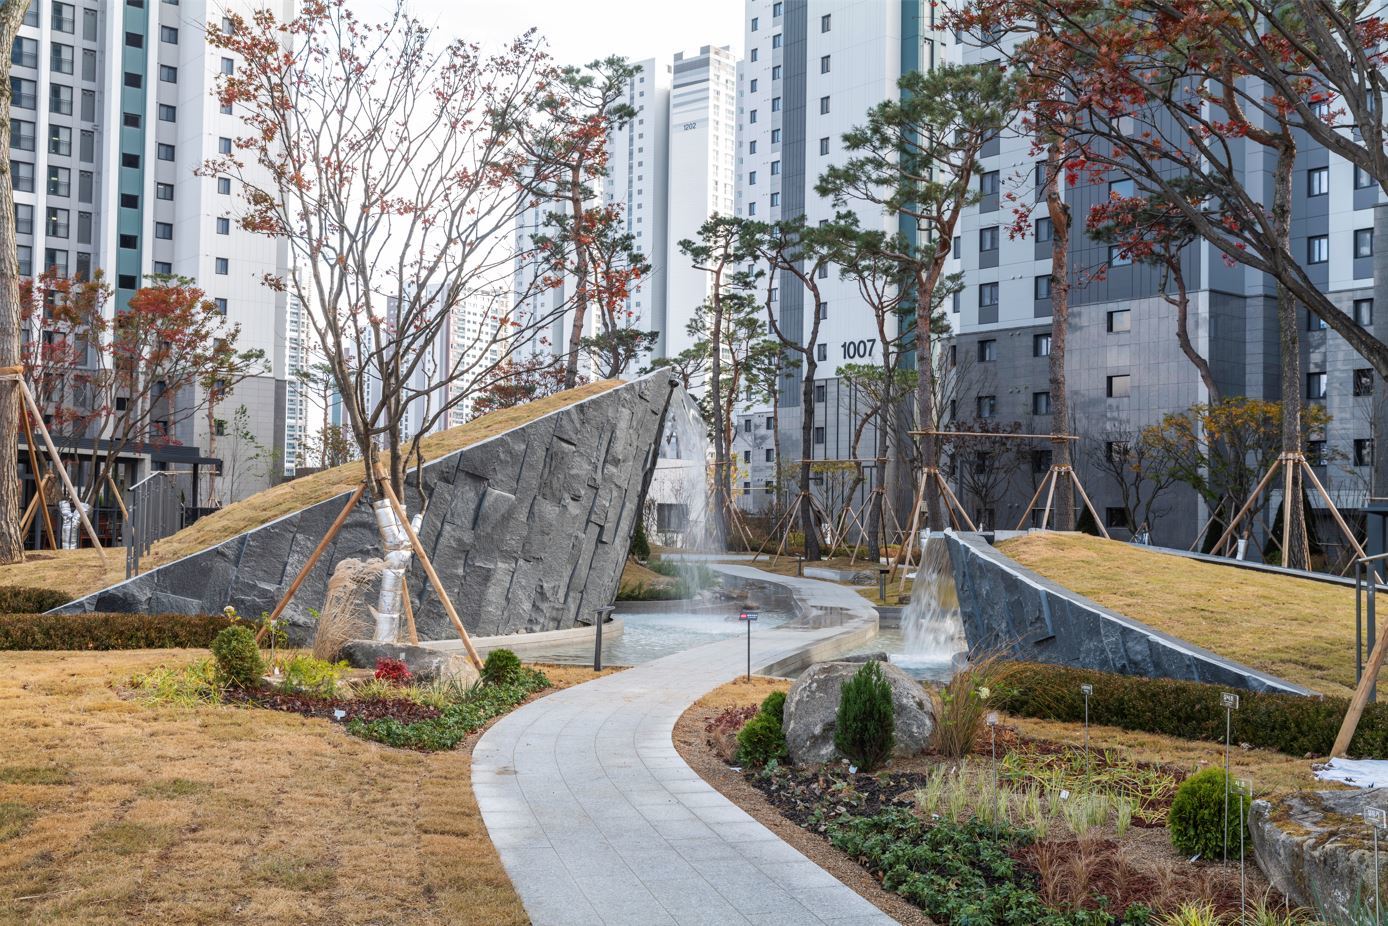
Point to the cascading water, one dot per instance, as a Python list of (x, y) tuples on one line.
[(932, 633), (681, 481)]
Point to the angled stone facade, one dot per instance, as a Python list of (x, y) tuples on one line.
[(1007, 608), (528, 530)]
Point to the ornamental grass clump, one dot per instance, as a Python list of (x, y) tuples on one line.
[(865, 730)]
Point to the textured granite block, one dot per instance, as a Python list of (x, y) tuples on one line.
[(527, 530)]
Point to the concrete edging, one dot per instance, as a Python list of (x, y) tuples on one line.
[(525, 643)]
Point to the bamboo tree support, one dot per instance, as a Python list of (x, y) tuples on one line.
[(1361, 697), (35, 504), (40, 482), (16, 374), (952, 505), (1049, 483), (312, 560), (1293, 465), (115, 491), (434, 580)]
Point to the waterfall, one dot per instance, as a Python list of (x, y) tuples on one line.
[(681, 480), (932, 633)]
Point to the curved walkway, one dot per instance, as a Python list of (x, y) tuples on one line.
[(599, 821)]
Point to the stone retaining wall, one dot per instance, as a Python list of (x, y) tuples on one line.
[(528, 530)]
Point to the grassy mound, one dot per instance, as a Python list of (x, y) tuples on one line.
[(80, 572), (1298, 629)]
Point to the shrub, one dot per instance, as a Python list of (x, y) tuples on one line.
[(392, 671), (865, 728), (640, 546), (501, 668), (1292, 724), (723, 729), (310, 676), (458, 718), (20, 599), (238, 658), (763, 738), (1197, 821), (97, 631)]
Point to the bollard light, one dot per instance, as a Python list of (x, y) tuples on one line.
[(603, 614), (749, 617), (1087, 690)]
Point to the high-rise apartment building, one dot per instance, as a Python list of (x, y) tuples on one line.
[(113, 114)]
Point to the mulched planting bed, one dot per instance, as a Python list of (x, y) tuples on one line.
[(365, 709)]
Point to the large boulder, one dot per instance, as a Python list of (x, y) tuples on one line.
[(425, 663), (812, 709), (1315, 847)]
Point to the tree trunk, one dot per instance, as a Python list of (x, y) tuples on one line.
[(925, 405), (721, 496), (1063, 506), (807, 519), (1182, 305), (581, 276), (11, 539), (1296, 554)]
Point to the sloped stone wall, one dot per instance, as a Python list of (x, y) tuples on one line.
[(1006, 607), (528, 530)]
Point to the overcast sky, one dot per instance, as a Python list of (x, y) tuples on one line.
[(581, 30)]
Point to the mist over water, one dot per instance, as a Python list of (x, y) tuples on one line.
[(685, 455)]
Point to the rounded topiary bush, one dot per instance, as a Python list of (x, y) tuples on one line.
[(761, 740), (1197, 818), (865, 729), (775, 704), (501, 668), (238, 658)]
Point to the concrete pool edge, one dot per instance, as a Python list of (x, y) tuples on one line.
[(524, 644)]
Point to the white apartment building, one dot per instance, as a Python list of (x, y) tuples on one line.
[(813, 69), (113, 114)]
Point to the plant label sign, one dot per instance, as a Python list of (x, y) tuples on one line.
[(1087, 690), (747, 616), (1229, 700), (1376, 817)]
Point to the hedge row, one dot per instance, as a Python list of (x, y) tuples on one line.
[(1291, 724), (97, 631), (18, 599)]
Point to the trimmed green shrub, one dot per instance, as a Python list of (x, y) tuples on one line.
[(763, 738), (640, 546), (865, 729), (501, 668), (20, 599), (1291, 724), (238, 658), (1197, 821), (97, 631)]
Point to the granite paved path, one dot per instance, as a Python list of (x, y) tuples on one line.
[(599, 821)]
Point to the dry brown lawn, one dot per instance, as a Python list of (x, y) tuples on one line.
[(1298, 629), (114, 811), (80, 572)]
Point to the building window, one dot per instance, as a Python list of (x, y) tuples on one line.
[(1121, 189), (223, 225), (776, 40), (987, 295), (823, 105), (1314, 322), (821, 392), (825, 22), (1363, 381), (23, 219), (988, 183), (1362, 178), (168, 73), (819, 434), (228, 67), (1317, 249), (752, 146), (1118, 256), (129, 201), (1315, 385), (168, 34), (770, 455), (168, 113), (746, 456), (25, 253), (1363, 451), (988, 238), (775, 168), (1042, 285), (88, 65), (1117, 519), (61, 58), (824, 64), (754, 54), (1040, 403), (823, 311), (775, 136), (821, 352), (987, 350), (86, 185), (128, 242), (22, 135), (57, 225), (224, 186), (165, 152), (221, 266), (775, 104), (1119, 386), (1044, 230), (755, 24), (22, 176), (221, 305), (64, 18), (751, 178), (60, 140), (1120, 320), (24, 93), (60, 99), (1363, 242), (1041, 345), (25, 53), (163, 231), (1318, 181), (776, 9), (1364, 312), (775, 71), (164, 191), (1315, 452), (775, 200), (134, 80), (752, 117), (55, 260), (131, 120), (59, 181), (987, 406)]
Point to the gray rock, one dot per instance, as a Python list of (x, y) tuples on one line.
[(1315, 847), (813, 704), (878, 656), (424, 664)]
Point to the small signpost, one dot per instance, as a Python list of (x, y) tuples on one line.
[(1231, 704), (1376, 818), (992, 721), (749, 617), (1245, 789), (1087, 690)]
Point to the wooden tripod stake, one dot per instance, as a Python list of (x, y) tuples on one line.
[(40, 483), (1052, 479)]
